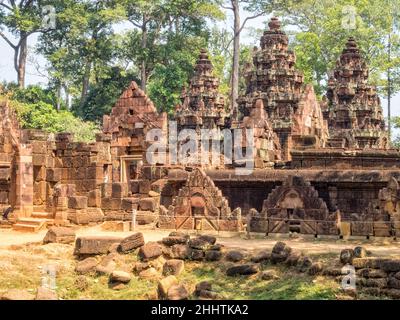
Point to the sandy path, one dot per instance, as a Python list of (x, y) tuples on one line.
[(379, 247)]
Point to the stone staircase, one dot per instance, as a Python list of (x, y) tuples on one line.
[(30, 224)]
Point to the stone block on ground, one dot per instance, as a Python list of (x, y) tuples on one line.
[(346, 256), (180, 251), (59, 235), (150, 250), (149, 274), (245, 269), (120, 276), (280, 252), (213, 255), (172, 240), (116, 226), (86, 266), (177, 292), (132, 242), (262, 256), (269, 275), (173, 267), (164, 285), (234, 256), (94, 245)]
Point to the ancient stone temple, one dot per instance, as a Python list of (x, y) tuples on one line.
[(202, 104), (352, 106), (291, 106), (304, 178)]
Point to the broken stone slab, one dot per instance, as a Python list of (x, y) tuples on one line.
[(393, 283), (269, 275), (203, 285), (293, 259), (149, 274), (199, 244), (107, 265), (44, 293), (116, 226), (132, 242), (371, 262), (346, 256), (86, 266), (262, 256), (150, 250), (213, 255), (210, 239), (179, 234), (164, 285), (242, 270), (59, 235), (371, 273), (304, 264), (94, 245), (180, 251), (234, 256), (315, 268), (391, 266), (158, 263), (120, 277), (196, 255), (177, 292), (173, 240), (280, 252), (359, 252), (207, 295), (377, 283), (173, 267), (17, 294)]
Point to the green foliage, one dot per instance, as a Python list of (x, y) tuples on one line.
[(173, 72), (41, 115), (103, 94), (319, 36), (34, 94)]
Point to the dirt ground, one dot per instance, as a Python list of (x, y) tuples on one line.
[(377, 247)]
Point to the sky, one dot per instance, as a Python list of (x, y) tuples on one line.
[(7, 72)]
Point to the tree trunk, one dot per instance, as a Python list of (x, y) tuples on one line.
[(59, 97), (236, 57), (389, 87), (143, 71), (22, 56), (85, 84)]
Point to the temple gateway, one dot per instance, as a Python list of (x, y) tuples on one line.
[(318, 167)]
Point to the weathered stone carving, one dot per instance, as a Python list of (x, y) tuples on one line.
[(202, 105), (296, 206), (352, 107), (200, 205), (292, 108)]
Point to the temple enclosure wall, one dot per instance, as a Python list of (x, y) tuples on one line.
[(317, 167)]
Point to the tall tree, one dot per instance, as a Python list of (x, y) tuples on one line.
[(19, 20), (236, 7), (81, 49)]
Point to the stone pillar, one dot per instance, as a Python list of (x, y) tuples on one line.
[(24, 182)]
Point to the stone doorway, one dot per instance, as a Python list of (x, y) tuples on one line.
[(130, 167)]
